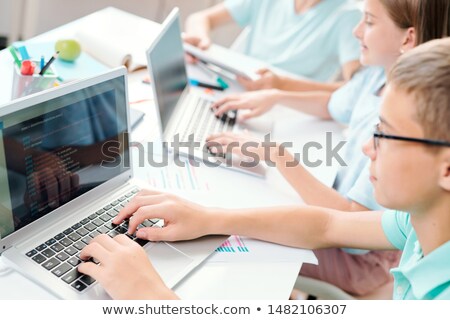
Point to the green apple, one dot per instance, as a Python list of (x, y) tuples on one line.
[(69, 49)]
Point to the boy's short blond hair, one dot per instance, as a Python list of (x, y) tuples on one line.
[(425, 73)]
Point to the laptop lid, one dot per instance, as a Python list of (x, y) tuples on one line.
[(58, 147), (167, 67)]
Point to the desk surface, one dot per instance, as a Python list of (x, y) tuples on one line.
[(215, 279)]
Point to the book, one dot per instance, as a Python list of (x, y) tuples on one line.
[(117, 38)]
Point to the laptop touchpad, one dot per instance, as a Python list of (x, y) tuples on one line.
[(168, 261)]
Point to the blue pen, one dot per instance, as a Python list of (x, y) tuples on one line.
[(23, 53), (42, 63)]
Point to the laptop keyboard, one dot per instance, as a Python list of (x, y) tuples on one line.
[(203, 122), (60, 255)]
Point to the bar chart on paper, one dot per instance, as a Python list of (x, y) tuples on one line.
[(177, 178), (234, 244)]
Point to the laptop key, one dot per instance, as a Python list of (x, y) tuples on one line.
[(41, 247), (121, 230), (50, 264), (141, 242), (39, 258), (87, 279), (100, 212), (105, 217), (82, 232), (50, 242), (71, 251), (71, 276), (57, 247), (90, 227), (76, 226), (114, 203), (78, 285), (79, 245), (48, 253), (59, 236), (92, 216), (66, 242), (31, 253), (103, 230), (74, 261), (121, 199), (86, 239), (62, 256), (112, 213), (107, 207), (95, 233), (68, 231), (98, 222), (113, 233), (74, 237), (85, 220), (62, 269)]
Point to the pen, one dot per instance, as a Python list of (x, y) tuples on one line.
[(208, 70), (41, 73), (42, 63), (205, 85), (14, 55)]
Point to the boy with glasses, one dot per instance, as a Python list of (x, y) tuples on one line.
[(410, 170)]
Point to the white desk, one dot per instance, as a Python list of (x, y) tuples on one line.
[(213, 280)]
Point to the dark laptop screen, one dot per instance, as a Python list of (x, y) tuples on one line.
[(169, 70), (55, 151)]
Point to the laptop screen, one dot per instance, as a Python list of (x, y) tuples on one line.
[(57, 150), (168, 69)]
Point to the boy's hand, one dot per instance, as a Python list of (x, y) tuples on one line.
[(124, 270), (183, 220), (258, 103)]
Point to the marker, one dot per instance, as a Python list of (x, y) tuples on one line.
[(212, 73), (205, 85), (41, 73), (23, 53), (14, 55)]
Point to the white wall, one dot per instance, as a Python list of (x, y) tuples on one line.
[(44, 15)]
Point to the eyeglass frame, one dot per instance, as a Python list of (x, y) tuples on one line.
[(377, 135)]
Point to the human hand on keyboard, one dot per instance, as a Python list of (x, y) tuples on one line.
[(257, 103), (183, 220), (124, 270)]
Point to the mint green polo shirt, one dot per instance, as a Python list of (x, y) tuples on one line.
[(417, 277), (314, 44)]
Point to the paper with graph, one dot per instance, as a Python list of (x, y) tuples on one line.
[(242, 249)]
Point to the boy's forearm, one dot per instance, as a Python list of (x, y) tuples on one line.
[(301, 227), (292, 84), (314, 103), (311, 190)]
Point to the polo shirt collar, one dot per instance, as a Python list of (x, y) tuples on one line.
[(427, 273)]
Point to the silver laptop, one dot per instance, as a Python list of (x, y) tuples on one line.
[(64, 174), (184, 111)]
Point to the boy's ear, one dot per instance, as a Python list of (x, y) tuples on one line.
[(410, 39), (444, 176)]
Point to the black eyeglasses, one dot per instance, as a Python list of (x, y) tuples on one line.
[(377, 135)]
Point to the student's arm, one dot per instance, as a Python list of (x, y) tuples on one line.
[(302, 227), (200, 24), (270, 80), (312, 191), (259, 102)]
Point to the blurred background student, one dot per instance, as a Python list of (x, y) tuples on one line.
[(308, 38)]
